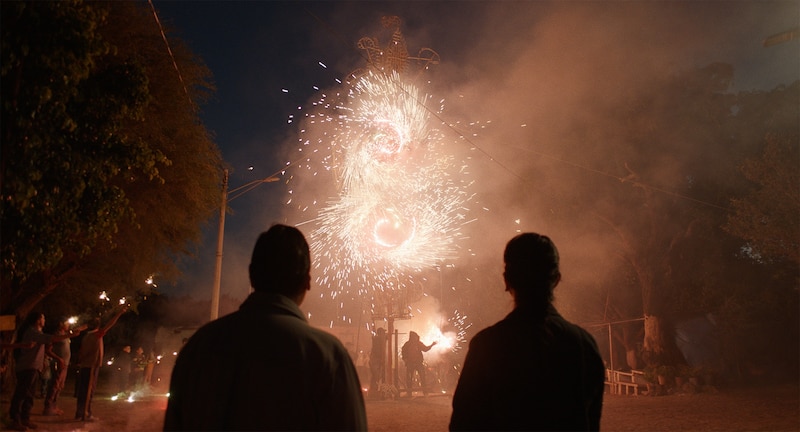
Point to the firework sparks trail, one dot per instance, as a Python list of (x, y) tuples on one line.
[(394, 198)]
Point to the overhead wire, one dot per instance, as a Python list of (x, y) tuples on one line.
[(169, 49)]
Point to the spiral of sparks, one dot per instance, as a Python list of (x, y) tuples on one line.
[(393, 197)]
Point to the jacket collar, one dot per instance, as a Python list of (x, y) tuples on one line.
[(273, 303)]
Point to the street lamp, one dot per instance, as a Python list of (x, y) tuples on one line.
[(222, 210)]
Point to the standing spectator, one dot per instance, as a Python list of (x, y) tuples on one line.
[(533, 370), (412, 355), (90, 359), (123, 373), (138, 365), (149, 367), (263, 367), (29, 363), (60, 352), (45, 374), (377, 362)]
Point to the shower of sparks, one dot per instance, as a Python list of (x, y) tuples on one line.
[(389, 200), (460, 322)]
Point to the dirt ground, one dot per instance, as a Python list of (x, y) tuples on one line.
[(761, 408)]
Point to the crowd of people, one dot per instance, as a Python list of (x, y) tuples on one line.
[(133, 371), (264, 367), (42, 362)]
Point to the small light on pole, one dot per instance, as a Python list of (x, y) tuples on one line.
[(220, 237)]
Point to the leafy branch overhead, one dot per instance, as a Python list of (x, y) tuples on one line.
[(98, 131)]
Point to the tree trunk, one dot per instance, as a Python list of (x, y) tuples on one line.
[(654, 341)]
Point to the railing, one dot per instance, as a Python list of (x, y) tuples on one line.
[(620, 382)]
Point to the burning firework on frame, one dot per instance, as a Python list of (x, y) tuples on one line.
[(394, 199)]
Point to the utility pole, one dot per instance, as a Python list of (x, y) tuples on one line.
[(218, 267), (223, 208)]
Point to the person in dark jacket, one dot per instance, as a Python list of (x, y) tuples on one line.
[(533, 370), (377, 362), (264, 367), (412, 356)]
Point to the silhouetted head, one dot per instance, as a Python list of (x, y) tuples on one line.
[(33, 319), (413, 336), (281, 262), (531, 271)]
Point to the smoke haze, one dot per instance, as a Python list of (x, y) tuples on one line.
[(520, 81)]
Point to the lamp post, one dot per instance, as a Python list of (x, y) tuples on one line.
[(221, 234)]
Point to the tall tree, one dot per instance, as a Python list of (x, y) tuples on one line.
[(107, 172), (767, 215), (696, 132)]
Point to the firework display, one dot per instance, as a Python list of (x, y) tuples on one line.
[(394, 197)]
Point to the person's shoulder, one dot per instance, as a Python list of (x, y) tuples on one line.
[(323, 337), (575, 331), (491, 333), (219, 328)]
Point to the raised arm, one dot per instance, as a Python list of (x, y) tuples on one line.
[(71, 334), (114, 319)]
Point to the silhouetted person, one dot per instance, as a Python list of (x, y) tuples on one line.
[(412, 356), (90, 359), (377, 362), (29, 363), (138, 365), (123, 361), (61, 352), (264, 367), (533, 370)]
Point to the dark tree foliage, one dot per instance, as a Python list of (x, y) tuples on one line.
[(767, 215), (107, 172)]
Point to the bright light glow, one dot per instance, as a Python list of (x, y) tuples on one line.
[(398, 199), (72, 320)]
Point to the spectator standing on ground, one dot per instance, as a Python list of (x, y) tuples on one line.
[(264, 367), (412, 355), (29, 364), (45, 375), (90, 359), (149, 367), (123, 373), (533, 370), (377, 362), (138, 364), (60, 351)]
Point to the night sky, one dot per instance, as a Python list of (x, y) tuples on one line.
[(503, 63)]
